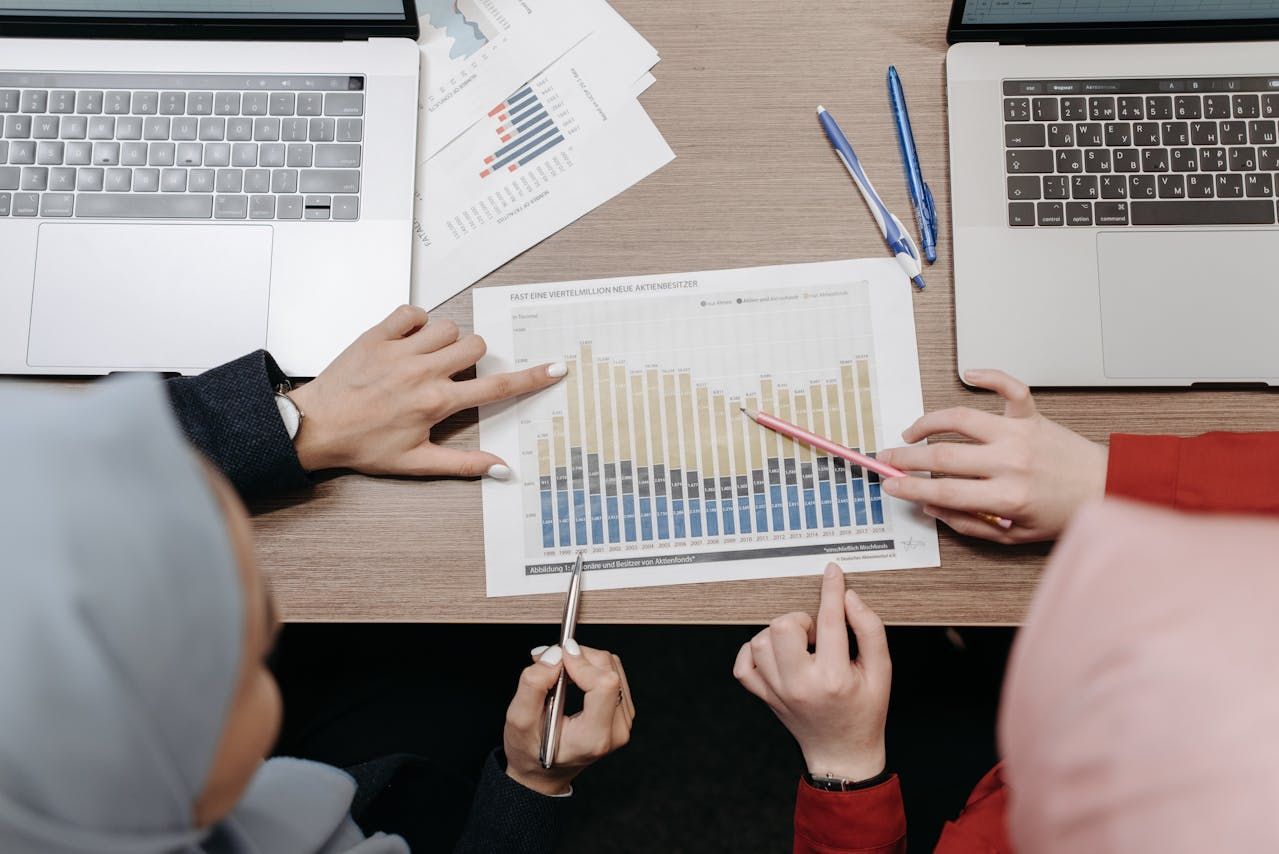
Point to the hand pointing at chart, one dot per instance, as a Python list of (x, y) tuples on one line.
[(374, 408)]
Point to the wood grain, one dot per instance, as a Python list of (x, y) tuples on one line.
[(754, 183)]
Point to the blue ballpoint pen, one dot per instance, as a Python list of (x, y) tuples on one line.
[(895, 234), (921, 197)]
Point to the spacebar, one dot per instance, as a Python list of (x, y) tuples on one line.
[(145, 207), (1217, 212)]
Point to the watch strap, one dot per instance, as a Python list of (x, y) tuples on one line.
[(837, 784)]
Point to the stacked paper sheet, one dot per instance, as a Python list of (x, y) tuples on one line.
[(529, 119)]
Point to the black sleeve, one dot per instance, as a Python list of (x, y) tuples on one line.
[(507, 817), (229, 414)]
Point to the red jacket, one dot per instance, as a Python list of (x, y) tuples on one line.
[(1229, 472)]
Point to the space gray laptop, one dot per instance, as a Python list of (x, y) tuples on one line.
[(184, 181), (1113, 180)]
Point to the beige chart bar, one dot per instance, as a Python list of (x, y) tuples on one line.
[(688, 436), (868, 438)]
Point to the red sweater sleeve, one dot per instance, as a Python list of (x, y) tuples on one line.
[(1235, 472), (863, 821), (980, 828)]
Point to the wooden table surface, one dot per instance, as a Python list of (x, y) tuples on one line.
[(754, 183)]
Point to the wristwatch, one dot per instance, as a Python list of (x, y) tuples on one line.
[(290, 414), (827, 783)]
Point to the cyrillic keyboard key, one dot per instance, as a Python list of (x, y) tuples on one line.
[(1216, 106), (1110, 213), (341, 156), (1199, 186), (330, 181), (352, 104), (231, 207), (144, 207), (1021, 161), (1216, 212), (1258, 186), (1056, 187), (1044, 109), (57, 204)]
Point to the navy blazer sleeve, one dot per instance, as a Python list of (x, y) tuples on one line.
[(229, 414), (507, 817)]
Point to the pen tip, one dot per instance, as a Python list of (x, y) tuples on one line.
[(820, 109)]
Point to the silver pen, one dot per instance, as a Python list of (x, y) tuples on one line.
[(555, 698)]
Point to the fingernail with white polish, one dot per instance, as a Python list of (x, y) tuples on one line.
[(557, 370), (552, 656), (538, 650), (571, 647), (498, 471)]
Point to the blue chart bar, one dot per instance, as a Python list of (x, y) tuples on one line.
[(694, 504), (743, 504), (645, 506), (562, 501), (793, 503), (677, 504), (597, 499), (526, 131), (876, 504), (823, 491), (712, 508), (841, 492), (628, 502), (859, 503), (810, 496)]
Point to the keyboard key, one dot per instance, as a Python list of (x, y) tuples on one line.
[(257, 181), (1183, 159), (102, 127), (45, 127), (189, 154), (1050, 213), (89, 180), (330, 181), (1130, 109), (1126, 160), (1216, 106), (299, 156), (1245, 106), (1074, 110), (254, 104), (271, 154), (266, 130), (261, 207), (160, 154), (1113, 187), (1258, 186), (1089, 135), (4, 151), (1141, 186), (217, 154), (35, 178), (74, 127), (1199, 186), (184, 128), (117, 103), (1243, 159), (1021, 214), (1186, 106), (1043, 110), (310, 104), (133, 154), (1229, 186), (1154, 160), (322, 130), (88, 102), (9, 100), (230, 180), (1023, 187), (352, 104), (244, 155), (118, 180), (1171, 186), (1212, 160), (282, 104), (348, 156), (1016, 162), (288, 207), (293, 130), (1158, 107), (1175, 133), (146, 103), (212, 129), (22, 152), (1244, 212), (1078, 213), (173, 103), (1234, 133), (34, 100), (26, 204), (350, 130), (78, 154), (239, 129), (1083, 187), (346, 208), (1069, 160), (1261, 132), (1097, 160), (1019, 135), (1101, 109), (1268, 159), (1056, 186), (9, 177), (106, 153), (128, 127), (145, 207), (1145, 133), (286, 181), (1270, 106), (156, 127), (231, 207), (1203, 133), (146, 180), (226, 104), (1061, 135), (49, 153), (17, 127), (201, 181), (199, 103), (1118, 134), (6, 203), (1111, 213)]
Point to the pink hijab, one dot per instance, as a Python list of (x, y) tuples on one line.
[(1141, 708)]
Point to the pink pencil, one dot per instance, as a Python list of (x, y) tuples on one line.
[(799, 434)]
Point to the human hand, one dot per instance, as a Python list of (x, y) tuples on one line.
[(835, 707), (373, 408), (1025, 468), (601, 727)]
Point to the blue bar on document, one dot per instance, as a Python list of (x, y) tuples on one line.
[(579, 517), (614, 533), (677, 508), (566, 522), (628, 516), (712, 517), (859, 503), (876, 503), (828, 515), (597, 519), (528, 121), (810, 508), (841, 501), (646, 518), (743, 514), (663, 526), (515, 111), (779, 508), (548, 520), (545, 148), (694, 517), (525, 146)]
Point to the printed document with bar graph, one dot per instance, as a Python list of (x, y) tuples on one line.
[(642, 459)]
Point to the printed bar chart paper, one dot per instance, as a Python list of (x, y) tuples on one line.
[(642, 458)]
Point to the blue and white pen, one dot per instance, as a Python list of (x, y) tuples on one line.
[(898, 239)]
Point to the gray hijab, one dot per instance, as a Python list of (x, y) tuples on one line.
[(121, 635)]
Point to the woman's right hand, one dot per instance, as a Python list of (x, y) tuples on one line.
[(601, 727)]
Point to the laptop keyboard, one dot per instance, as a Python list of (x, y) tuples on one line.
[(193, 147), (1088, 153)]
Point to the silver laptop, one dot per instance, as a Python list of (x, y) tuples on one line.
[(1114, 168), (183, 181)]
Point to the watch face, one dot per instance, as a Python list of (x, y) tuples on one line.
[(289, 414)]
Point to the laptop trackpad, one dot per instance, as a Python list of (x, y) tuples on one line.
[(1190, 305), (159, 297)]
